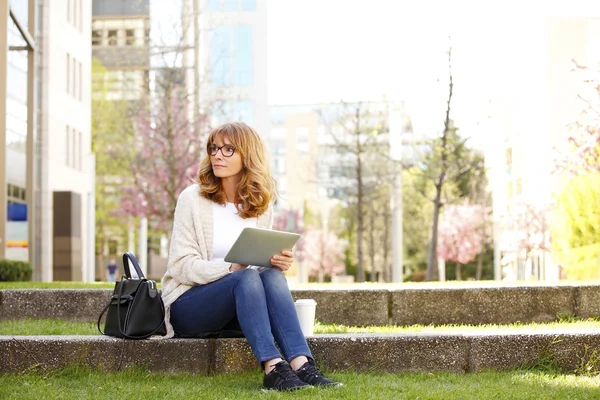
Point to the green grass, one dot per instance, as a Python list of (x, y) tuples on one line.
[(83, 383), (61, 327)]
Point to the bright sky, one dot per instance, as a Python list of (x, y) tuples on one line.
[(327, 50)]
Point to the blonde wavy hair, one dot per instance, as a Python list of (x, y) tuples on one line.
[(257, 188)]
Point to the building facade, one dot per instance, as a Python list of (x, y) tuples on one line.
[(57, 170), (232, 60)]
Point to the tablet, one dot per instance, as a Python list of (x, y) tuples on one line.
[(256, 246)]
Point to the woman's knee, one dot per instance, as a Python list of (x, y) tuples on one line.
[(248, 277), (273, 276)]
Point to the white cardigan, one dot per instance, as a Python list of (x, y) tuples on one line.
[(192, 247)]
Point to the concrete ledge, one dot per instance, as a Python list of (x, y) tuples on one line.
[(358, 307), (454, 352), (349, 307), (497, 305), (69, 304)]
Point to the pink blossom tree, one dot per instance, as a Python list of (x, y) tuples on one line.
[(291, 221), (168, 148), (322, 253), (460, 235), (583, 154), (530, 221)]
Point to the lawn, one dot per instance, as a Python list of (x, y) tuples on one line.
[(83, 383), (62, 327)]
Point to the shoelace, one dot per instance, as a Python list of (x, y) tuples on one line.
[(285, 371), (312, 370)]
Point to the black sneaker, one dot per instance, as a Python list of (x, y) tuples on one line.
[(283, 378), (310, 374)]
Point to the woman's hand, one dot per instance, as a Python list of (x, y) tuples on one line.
[(283, 260), (236, 267)]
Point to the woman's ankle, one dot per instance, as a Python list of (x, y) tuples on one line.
[(298, 362), (270, 364)]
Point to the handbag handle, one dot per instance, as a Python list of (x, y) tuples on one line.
[(128, 256)]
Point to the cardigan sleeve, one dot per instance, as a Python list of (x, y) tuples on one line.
[(188, 262)]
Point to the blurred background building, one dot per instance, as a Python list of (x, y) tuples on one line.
[(47, 135), (529, 120)]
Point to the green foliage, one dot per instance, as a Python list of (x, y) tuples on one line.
[(575, 227), (13, 270), (112, 134), (589, 362), (416, 215)]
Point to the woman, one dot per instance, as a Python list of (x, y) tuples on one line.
[(203, 294)]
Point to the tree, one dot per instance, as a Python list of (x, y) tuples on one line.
[(112, 133), (171, 126), (575, 232), (322, 253), (583, 153), (576, 226), (459, 236), (445, 163), (358, 132), (168, 150)]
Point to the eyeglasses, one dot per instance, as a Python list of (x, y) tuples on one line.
[(227, 150)]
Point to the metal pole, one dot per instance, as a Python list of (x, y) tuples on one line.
[(31, 189), (395, 138), (143, 245), (90, 269), (4, 13)]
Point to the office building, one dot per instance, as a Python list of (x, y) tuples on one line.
[(46, 139)]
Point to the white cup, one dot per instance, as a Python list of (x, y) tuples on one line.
[(305, 308)]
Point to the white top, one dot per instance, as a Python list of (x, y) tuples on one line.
[(227, 226)]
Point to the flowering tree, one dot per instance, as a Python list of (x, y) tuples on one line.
[(291, 221), (168, 151), (322, 253), (460, 235), (583, 154)]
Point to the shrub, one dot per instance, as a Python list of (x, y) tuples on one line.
[(13, 270)]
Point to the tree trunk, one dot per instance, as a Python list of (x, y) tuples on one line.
[(431, 256), (360, 219), (479, 272), (458, 271), (439, 184)]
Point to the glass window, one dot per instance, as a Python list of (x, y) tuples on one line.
[(68, 146), (129, 37), (243, 56), (112, 37), (214, 5), (230, 5), (68, 73), (21, 11), (74, 77), (243, 111), (97, 37), (220, 56), (248, 5), (80, 92), (16, 83)]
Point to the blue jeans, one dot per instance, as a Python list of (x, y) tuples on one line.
[(260, 301)]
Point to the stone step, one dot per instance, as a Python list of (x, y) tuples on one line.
[(358, 306), (463, 352)]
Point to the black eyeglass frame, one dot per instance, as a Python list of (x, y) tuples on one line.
[(213, 149)]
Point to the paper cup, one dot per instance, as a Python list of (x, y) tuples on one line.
[(305, 308)]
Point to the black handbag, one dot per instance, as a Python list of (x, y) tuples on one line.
[(135, 309)]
